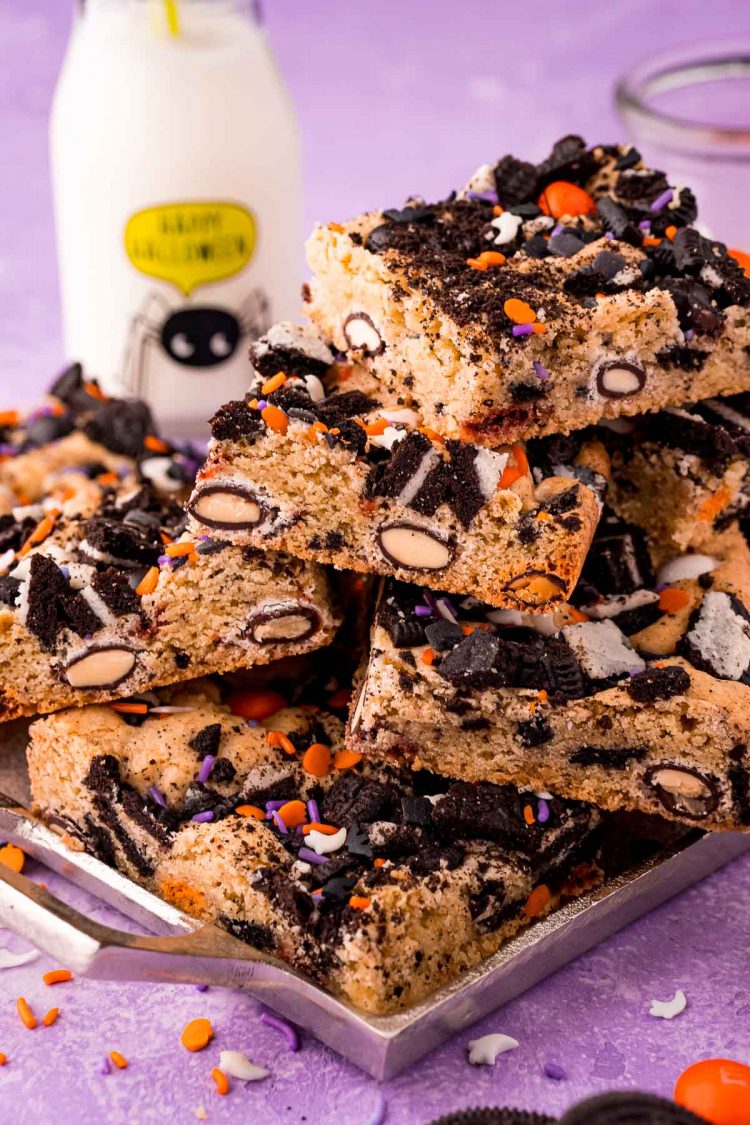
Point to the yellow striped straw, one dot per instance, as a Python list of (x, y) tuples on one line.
[(173, 16)]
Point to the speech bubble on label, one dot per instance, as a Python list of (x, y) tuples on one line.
[(191, 244)]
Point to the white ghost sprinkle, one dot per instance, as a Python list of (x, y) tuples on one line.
[(484, 1051), (10, 960), (237, 1065), (323, 844), (668, 1009)]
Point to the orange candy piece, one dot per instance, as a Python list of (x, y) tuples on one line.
[(519, 311), (563, 198), (12, 857), (57, 976), (673, 599), (536, 901), (486, 260), (743, 259), (316, 760), (259, 704), (221, 1080), (359, 902), (717, 1089), (275, 419), (346, 759), (197, 1034), (250, 810), (119, 1060), (293, 813)]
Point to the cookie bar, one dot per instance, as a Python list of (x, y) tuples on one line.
[(540, 299), (80, 436), (99, 606), (379, 883), (313, 464), (635, 697)]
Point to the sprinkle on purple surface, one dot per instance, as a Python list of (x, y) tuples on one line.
[(377, 1117), (540, 370), (313, 811), (309, 856), (542, 812), (206, 766), (422, 611), (285, 1028), (262, 404), (552, 1070), (279, 823), (662, 200), (203, 817), (523, 329), (156, 795), (106, 1067), (201, 988)]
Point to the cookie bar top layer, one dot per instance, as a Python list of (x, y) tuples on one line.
[(636, 697), (315, 463), (540, 299), (380, 884), (98, 606), (78, 436)]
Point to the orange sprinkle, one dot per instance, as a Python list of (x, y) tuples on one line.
[(155, 444), (509, 477), (9, 417), (671, 231), (275, 419), (673, 599), (177, 550), (519, 311), (293, 813), (337, 227), (576, 614), (433, 435), (57, 976), (374, 429), (3, 1058), (197, 1034), (92, 388), (428, 656), (221, 1080), (257, 704), (316, 760), (742, 258), (379, 862), (486, 259), (316, 826), (539, 329), (340, 698), (38, 535), (519, 456), (147, 584), (27, 1016), (129, 708), (543, 696), (251, 405), (119, 1060), (563, 198), (106, 479), (273, 383), (346, 759), (50, 1017), (498, 210), (251, 810), (528, 814), (359, 902), (12, 857), (710, 508), (650, 240), (536, 901), (278, 739)]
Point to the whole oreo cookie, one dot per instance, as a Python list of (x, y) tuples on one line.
[(494, 1116), (629, 1109)]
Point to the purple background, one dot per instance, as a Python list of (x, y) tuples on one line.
[(393, 97)]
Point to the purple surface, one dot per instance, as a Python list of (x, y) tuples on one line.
[(393, 97)]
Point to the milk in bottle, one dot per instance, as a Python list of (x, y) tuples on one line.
[(176, 175)]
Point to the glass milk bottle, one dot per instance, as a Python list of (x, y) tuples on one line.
[(176, 178)]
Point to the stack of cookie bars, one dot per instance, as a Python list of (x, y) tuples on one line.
[(503, 445)]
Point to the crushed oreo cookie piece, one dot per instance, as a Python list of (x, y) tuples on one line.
[(207, 741), (658, 683), (235, 421)]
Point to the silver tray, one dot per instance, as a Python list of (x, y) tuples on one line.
[(179, 949)]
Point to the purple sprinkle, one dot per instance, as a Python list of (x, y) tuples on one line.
[(488, 196), (317, 896), (271, 806), (206, 766), (542, 812), (540, 370), (662, 200), (262, 404), (689, 333), (309, 856), (164, 560), (123, 471), (523, 329), (661, 586), (279, 822), (252, 723), (377, 1117), (558, 228), (105, 1067), (156, 795), (285, 1028), (429, 599), (552, 1070), (634, 671), (447, 610), (422, 611), (645, 225), (313, 811), (608, 235), (203, 817), (201, 988)]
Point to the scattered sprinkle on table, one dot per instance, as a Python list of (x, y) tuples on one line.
[(57, 976), (484, 1051), (285, 1028), (197, 1034), (668, 1009)]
